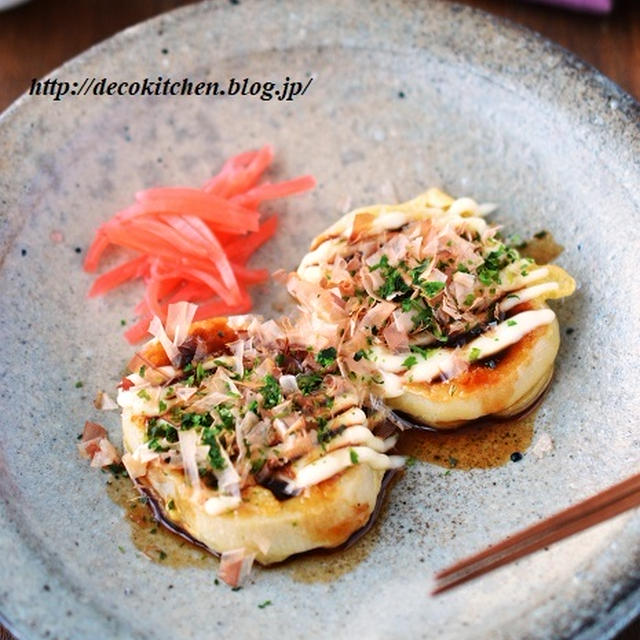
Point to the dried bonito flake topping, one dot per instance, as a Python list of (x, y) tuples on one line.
[(428, 277), (94, 445), (265, 408)]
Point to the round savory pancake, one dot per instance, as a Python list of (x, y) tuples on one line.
[(244, 438), (269, 527), (438, 313)]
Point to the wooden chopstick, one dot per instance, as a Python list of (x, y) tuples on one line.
[(607, 504)]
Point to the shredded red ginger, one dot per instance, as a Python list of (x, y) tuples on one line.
[(193, 244)]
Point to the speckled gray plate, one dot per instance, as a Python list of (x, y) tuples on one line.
[(404, 96)]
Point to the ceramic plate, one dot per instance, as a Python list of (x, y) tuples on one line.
[(404, 96)]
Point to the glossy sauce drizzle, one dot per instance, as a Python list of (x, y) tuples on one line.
[(164, 547), (481, 445), (542, 248), (329, 565), (478, 446), (149, 536)]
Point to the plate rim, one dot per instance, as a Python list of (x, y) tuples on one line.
[(626, 606)]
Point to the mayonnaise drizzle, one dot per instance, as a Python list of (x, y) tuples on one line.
[(221, 504), (507, 333), (427, 369), (527, 294), (388, 220), (361, 435), (336, 461)]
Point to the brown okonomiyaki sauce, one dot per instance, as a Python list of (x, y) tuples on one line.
[(542, 248), (150, 536), (481, 445), (163, 546), (326, 565)]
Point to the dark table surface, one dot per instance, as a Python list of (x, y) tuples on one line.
[(40, 35)]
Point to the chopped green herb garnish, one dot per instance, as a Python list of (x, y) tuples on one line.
[(511, 323), (253, 407), (468, 301), (158, 428), (410, 362), (227, 417), (416, 272), (171, 504), (271, 392), (264, 604), (425, 353), (359, 354), (256, 465), (209, 436), (424, 313), (279, 359), (123, 322), (353, 455), (540, 235), (162, 555), (326, 357), (141, 370), (324, 434), (117, 469), (474, 354), (394, 283), (515, 241), (191, 420), (154, 445), (487, 276), (383, 264), (230, 391), (309, 382), (144, 394), (410, 462), (496, 260), (162, 406), (120, 549), (79, 384), (432, 289)]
